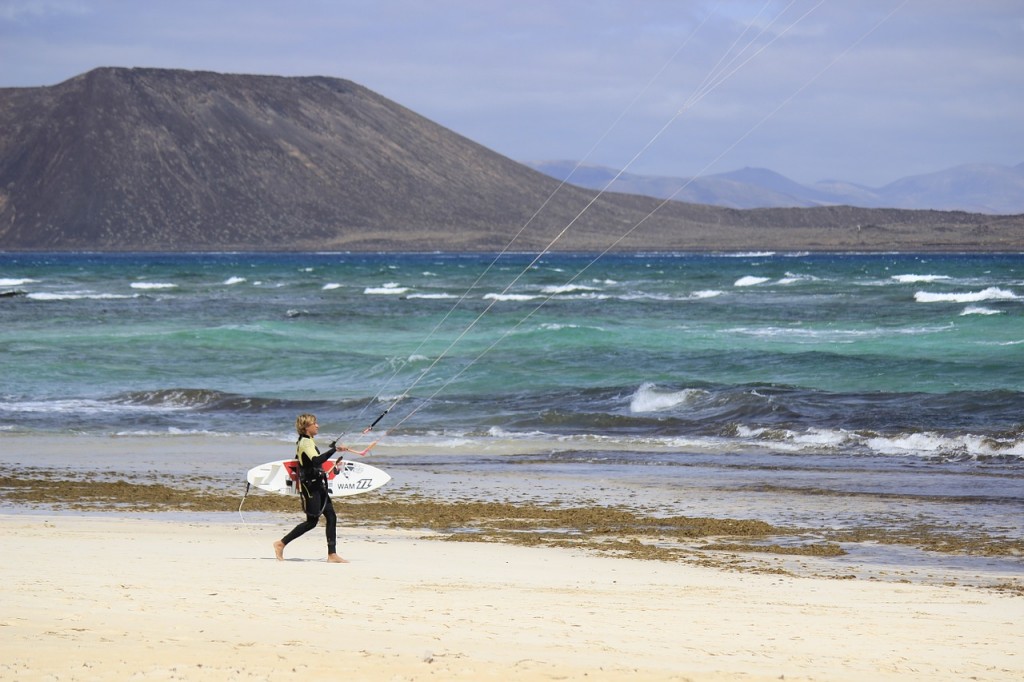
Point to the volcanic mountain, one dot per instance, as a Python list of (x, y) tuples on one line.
[(121, 159)]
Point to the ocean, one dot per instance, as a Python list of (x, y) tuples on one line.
[(835, 389)]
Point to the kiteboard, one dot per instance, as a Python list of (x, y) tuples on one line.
[(348, 478)]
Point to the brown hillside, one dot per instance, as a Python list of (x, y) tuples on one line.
[(144, 159)]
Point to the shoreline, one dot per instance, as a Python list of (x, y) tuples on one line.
[(189, 479), (207, 601), (736, 545)]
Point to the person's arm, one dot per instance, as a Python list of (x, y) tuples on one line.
[(324, 456), (361, 453)]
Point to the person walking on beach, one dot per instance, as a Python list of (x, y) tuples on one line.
[(316, 498)]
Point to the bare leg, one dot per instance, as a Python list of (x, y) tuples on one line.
[(335, 559), (279, 550)]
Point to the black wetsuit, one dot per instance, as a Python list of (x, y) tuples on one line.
[(316, 500)]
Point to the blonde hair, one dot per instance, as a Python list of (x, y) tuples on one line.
[(303, 422)]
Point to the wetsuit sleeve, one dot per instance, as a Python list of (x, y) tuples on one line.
[(320, 459)]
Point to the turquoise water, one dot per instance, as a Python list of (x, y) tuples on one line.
[(909, 355)]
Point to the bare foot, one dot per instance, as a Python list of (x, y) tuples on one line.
[(279, 550), (335, 559)]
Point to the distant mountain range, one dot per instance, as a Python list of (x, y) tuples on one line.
[(974, 188)]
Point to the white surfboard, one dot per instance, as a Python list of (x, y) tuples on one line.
[(351, 478)]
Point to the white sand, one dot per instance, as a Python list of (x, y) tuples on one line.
[(105, 598)]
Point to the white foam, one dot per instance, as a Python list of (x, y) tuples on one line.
[(437, 297), (835, 335), (84, 406), (910, 279), (557, 326), (989, 294), (928, 443), (651, 297), (388, 289), (234, 280), (980, 310), (792, 278), (331, 286), (750, 281), (11, 282), (75, 296), (647, 296), (925, 444), (498, 432), (830, 438), (153, 285), (510, 297), (649, 399), (566, 289)]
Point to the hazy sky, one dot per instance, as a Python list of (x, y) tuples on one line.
[(813, 89)]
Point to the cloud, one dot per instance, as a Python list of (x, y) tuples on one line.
[(938, 83), (34, 10)]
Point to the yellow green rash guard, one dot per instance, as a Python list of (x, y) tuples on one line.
[(311, 473), (306, 451)]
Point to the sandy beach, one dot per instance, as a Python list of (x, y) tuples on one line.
[(102, 597)]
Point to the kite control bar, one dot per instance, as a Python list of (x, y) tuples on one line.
[(376, 421)]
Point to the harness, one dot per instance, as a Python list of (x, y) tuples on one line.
[(312, 479)]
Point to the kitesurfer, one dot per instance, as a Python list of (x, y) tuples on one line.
[(316, 498)]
